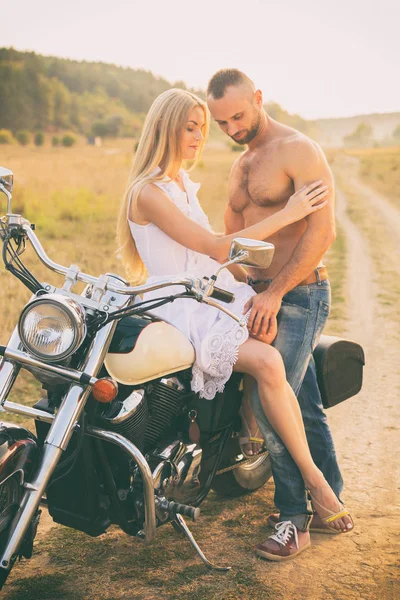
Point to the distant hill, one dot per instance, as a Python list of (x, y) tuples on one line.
[(52, 94), (56, 94), (330, 132)]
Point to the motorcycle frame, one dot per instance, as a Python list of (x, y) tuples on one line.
[(108, 294)]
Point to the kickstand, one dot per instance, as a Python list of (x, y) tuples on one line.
[(180, 523)]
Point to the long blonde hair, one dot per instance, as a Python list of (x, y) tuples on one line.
[(159, 146)]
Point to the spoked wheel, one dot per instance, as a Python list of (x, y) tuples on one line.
[(238, 475), (10, 497)]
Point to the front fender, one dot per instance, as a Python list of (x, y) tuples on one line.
[(18, 450)]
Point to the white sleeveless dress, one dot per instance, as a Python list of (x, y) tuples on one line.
[(215, 336)]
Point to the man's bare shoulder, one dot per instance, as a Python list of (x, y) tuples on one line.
[(300, 150), (238, 161), (303, 156)]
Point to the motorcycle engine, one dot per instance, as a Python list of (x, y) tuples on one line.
[(164, 401), (128, 417), (145, 417), (146, 413)]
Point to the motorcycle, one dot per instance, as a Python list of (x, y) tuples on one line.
[(120, 437)]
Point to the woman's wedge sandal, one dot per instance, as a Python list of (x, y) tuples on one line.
[(250, 439), (332, 516)]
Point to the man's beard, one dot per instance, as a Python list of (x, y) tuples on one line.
[(251, 133)]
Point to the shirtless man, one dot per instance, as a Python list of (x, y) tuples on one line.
[(293, 300)]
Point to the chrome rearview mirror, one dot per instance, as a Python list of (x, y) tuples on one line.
[(6, 178), (6, 184), (251, 253)]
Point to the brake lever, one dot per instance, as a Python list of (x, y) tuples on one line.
[(207, 300)]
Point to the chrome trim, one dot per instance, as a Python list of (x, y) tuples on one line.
[(6, 185), (142, 289), (210, 285), (128, 407), (73, 403), (38, 248), (112, 287), (29, 503), (27, 411), (8, 374), (211, 302), (9, 370), (22, 476), (182, 524), (7, 178), (174, 383), (24, 358), (256, 254), (148, 488), (72, 308)]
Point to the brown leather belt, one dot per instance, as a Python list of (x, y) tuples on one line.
[(319, 274)]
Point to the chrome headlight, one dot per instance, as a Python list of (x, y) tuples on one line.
[(52, 327)]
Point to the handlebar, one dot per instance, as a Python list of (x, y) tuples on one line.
[(192, 284), (222, 295), (112, 287)]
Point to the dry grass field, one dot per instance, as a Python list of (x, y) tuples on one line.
[(73, 196), (380, 168)]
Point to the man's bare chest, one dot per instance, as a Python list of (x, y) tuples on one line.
[(262, 184)]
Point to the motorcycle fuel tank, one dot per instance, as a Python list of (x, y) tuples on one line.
[(144, 349)]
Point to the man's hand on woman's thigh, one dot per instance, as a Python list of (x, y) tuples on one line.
[(270, 335)]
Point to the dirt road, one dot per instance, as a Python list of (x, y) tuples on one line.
[(363, 565), (366, 430)]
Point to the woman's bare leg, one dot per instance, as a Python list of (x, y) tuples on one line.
[(249, 423), (282, 409)]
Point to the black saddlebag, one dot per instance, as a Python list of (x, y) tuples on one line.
[(339, 365)]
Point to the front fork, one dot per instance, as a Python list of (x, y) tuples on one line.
[(57, 438)]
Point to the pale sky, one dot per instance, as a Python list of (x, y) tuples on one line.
[(316, 58)]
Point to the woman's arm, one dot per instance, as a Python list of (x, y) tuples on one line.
[(154, 206)]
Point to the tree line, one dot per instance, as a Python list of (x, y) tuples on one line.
[(53, 94), (42, 93)]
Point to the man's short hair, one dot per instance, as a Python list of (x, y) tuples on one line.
[(225, 78)]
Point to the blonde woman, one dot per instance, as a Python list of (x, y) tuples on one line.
[(162, 231)]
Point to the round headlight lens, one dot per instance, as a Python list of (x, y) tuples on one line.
[(52, 327)]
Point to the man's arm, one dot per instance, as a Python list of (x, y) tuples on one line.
[(305, 163)]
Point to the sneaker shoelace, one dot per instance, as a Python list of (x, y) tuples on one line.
[(284, 530)]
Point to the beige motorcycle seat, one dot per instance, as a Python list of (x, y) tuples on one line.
[(160, 349)]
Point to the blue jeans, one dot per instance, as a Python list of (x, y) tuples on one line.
[(301, 320)]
